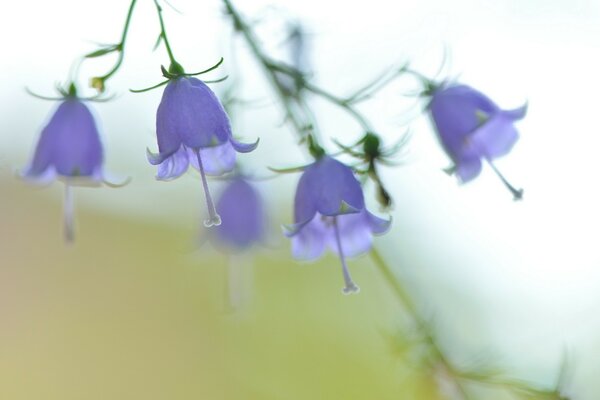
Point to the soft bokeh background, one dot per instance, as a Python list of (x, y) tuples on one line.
[(136, 310)]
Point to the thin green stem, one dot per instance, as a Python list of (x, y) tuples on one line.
[(421, 324), (248, 35), (342, 103), (163, 32), (121, 45)]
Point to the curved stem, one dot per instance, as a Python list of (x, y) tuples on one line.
[(121, 45), (163, 32), (421, 324), (344, 104), (241, 26)]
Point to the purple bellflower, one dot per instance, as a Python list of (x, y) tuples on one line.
[(193, 128), (329, 211), (241, 208), (471, 127), (244, 224), (69, 148)]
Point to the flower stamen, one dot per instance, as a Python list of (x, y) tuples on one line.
[(350, 287), (517, 193), (213, 218)]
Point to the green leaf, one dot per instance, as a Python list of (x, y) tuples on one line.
[(103, 51)]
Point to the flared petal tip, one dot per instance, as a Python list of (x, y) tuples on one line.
[(517, 113), (379, 226), (155, 158), (42, 179), (244, 147)]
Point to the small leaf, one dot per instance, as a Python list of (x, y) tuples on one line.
[(103, 51)]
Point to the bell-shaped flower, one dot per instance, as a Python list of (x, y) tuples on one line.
[(69, 148), (241, 208), (193, 128), (329, 211), (471, 127), (243, 216)]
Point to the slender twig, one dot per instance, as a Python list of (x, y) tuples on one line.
[(163, 32), (421, 324), (241, 25), (121, 46)]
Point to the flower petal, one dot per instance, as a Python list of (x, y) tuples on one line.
[(517, 113), (243, 147), (174, 166), (216, 160), (378, 225), (355, 235), (70, 142), (310, 240), (328, 187), (190, 114), (456, 112), (242, 214), (468, 169), (495, 138)]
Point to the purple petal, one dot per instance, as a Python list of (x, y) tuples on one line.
[(44, 178), (173, 166), (457, 111), (495, 138), (355, 234), (517, 113), (242, 215), (243, 147), (378, 225), (190, 114), (70, 142), (468, 169), (310, 241), (216, 160), (328, 187)]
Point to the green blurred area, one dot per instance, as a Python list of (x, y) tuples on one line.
[(132, 311)]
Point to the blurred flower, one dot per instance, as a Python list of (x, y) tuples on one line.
[(329, 211), (192, 127), (69, 148), (241, 209), (471, 127)]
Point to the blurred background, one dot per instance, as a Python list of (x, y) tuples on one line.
[(137, 308)]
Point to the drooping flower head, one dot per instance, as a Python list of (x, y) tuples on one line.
[(243, 216), (329, 211), (69, 148), (193, 128), (471, 127)]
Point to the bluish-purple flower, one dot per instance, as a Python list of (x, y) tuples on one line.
[(471, 127), (193, 128), (69, 148), (329, 211), (243, 216)]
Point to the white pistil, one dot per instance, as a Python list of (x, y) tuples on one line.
[(213, 218), (350, 287), (68, 217)]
